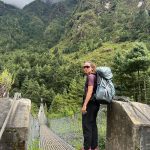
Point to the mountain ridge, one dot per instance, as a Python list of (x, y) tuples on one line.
[(21, 7), (77, 22)]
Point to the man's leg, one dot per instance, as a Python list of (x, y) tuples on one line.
[(94, 143)]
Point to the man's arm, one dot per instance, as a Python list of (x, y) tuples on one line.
[(88, 97)]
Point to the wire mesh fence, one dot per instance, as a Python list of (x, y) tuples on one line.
[(33, 136), (70, 128)]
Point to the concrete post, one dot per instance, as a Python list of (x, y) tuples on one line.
[(128, 126), (16, 132)]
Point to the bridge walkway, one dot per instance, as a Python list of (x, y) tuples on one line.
[(49, 140)]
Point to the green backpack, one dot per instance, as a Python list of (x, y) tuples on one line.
[(105, 89)]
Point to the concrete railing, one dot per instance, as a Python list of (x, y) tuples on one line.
[(16, 131), (128, 126)]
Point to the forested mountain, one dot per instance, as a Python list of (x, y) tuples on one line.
[(44, 44), (77, 20)]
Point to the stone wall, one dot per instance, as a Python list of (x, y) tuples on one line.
[(16, 132), (128, 126)]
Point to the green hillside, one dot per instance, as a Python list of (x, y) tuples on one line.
[(44, 46)]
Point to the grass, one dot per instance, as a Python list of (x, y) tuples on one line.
[(34, 145)]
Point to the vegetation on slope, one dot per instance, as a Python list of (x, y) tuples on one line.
[(44, 45)]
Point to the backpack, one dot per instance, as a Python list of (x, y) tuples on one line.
[(105, 89)]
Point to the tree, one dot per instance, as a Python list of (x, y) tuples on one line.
[(53, 32), (140, 24), (118, 69), (137, 60), (47, 95), (6, 81), (130, 71), (31, 90)]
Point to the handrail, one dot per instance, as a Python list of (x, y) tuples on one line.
[(8, 116)]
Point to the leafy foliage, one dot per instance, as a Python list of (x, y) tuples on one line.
[(44, 45), (131, 70), (6, 81), (138, 59)]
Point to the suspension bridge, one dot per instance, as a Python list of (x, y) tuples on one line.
[(20, 131), (63, 133), (43, 134), (49, 140)]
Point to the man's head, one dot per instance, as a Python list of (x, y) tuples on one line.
[(89, 67)]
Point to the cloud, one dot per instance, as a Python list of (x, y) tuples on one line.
[(18, 3)]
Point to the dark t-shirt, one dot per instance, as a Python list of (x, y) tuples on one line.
[(90, 81)]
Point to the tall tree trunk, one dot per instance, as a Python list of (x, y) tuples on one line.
[(121, 87), (145, 92), (139, 91)]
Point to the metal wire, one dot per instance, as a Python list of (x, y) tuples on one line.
[(8, 116), (49, 140), (70, 128)]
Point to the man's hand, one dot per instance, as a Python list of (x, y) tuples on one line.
[(83, 110)]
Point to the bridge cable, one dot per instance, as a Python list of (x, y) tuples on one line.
[(8, 116)]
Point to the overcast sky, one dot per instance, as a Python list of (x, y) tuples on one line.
[(18, 3)]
